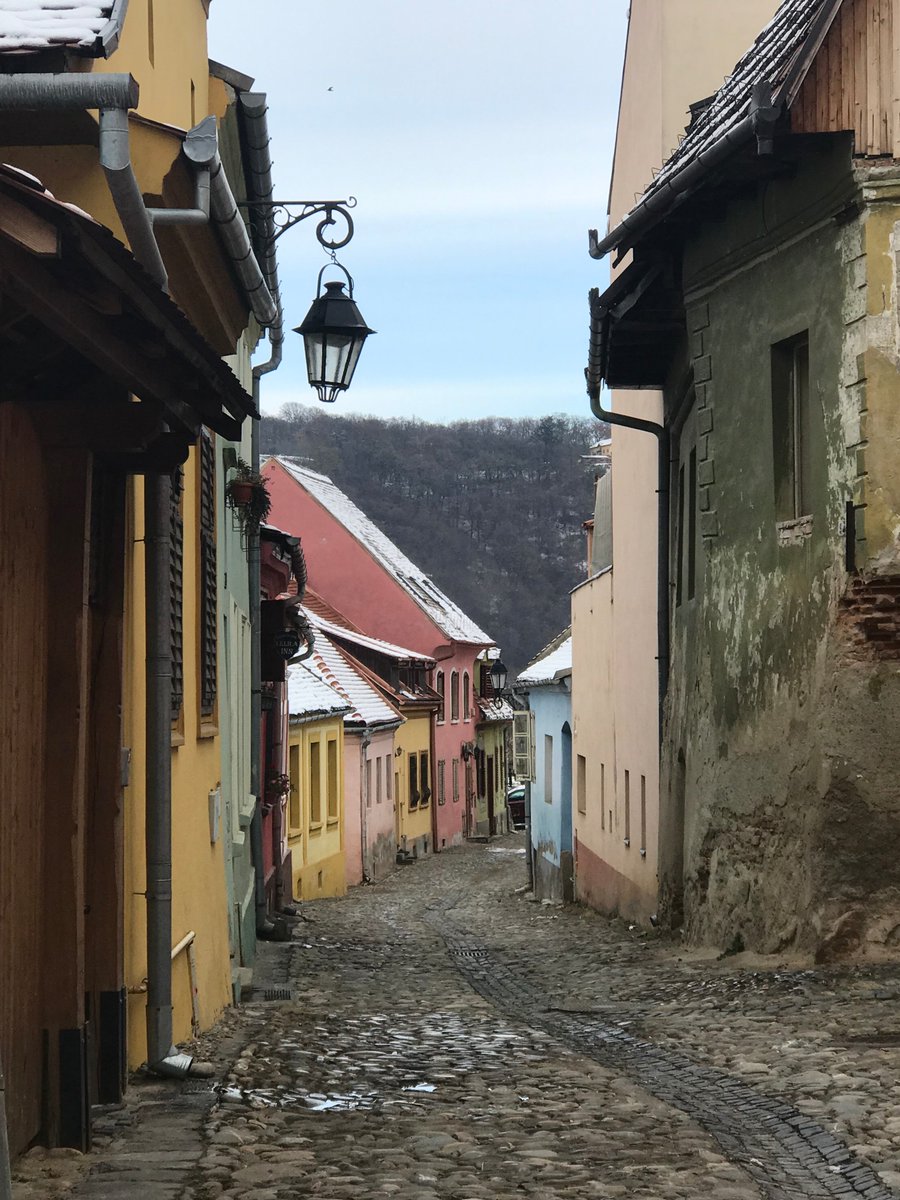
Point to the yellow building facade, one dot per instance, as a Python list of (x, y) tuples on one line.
[(163, 45), (316, 808), (413, 784)]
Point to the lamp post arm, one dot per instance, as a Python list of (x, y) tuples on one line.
[(285, 214)]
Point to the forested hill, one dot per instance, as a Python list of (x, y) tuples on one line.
[(492, 510)]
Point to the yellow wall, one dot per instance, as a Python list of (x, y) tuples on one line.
[(172, 67), (198, 867), (316, 838), (412, 824)]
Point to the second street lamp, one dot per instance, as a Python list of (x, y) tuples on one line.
[(499, 676)]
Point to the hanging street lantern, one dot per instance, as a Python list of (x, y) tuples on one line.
[(333, 333), (499, 676)]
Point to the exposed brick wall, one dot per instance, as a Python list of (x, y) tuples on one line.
[(872, 608)]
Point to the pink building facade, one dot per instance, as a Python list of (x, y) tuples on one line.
[(356, 568)]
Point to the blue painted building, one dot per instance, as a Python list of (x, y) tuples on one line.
[(547, 686)]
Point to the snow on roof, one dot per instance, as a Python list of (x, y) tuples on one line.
[(309, 695), (366, 704), (368, 643), (552, 664), (779, 57), (31, 25), (448, 617), (496, 710)]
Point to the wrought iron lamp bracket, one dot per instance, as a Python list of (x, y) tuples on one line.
[(285, 214)]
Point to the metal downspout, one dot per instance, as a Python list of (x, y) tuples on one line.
[(661, 433), (364, 742), (5, 1180), (253, 107)]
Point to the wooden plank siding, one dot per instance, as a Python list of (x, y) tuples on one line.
[(854, 84), (23, 891)]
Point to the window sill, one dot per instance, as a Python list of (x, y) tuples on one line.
[(177, 739), (207, 730), (315, 827), (333, 821), (794, 533)]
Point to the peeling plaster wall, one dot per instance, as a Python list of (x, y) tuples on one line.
[(782, 727)]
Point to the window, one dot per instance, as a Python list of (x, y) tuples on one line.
[(603, 798), (581, 782), (424, 778), (209, 586), (455, 774), (791, 428), (369, 782), (548, 768), (315, 784), (467, 714), (686, 549), (523, 745), (439, 688), (441, 781), (627, 808), (332, 779), (151, 38), (294, 816), (388, 777), (176, 591), (413, 781), (454, 695), (379, 780), (643, 816)]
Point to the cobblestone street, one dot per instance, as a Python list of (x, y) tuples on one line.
[(445, 1037)]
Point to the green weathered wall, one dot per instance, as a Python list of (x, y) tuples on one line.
[(774, 734)]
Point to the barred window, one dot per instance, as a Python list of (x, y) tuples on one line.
[(176, 590), (208, 607)]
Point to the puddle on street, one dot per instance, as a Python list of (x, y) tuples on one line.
[(372, 1062)]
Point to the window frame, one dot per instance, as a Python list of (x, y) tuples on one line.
[(439, 686), (454, 697), (791, 428)]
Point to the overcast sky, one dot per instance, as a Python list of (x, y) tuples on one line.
[(477, 137)]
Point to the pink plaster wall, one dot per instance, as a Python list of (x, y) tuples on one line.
[(345, 574)]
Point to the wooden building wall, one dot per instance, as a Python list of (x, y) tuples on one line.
[(23, 634), (855, 81)]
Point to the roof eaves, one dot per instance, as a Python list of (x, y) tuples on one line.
[(767, 99)]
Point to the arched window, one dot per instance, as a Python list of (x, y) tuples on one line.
[(454, 695), (439, 688), (466, 707)]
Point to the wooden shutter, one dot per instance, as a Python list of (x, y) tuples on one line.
[(208, 606)]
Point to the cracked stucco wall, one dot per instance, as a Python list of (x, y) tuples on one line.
[(777, 745)]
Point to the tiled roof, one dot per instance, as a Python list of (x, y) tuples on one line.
[(335, 668), (779, 57), (310, 696), (552, 664), (369, 643), (31, 25), (446, 615)]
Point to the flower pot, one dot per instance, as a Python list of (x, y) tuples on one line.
[(241, 492)]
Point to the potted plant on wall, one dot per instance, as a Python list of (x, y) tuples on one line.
[(248, 495)]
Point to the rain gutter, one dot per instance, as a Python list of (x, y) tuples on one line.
[(759, 122), (661, 433)]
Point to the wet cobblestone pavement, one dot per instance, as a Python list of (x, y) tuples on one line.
[(446, 1038)]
